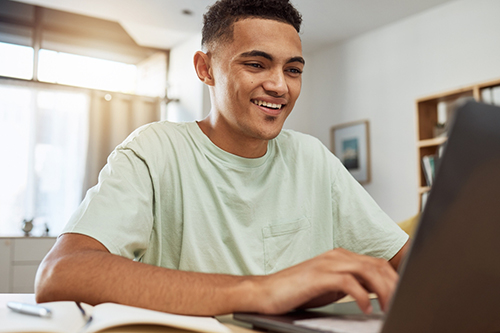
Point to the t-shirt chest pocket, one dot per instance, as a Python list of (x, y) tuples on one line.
[(286, 244)]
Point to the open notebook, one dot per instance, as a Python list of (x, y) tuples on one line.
[(67, 318)]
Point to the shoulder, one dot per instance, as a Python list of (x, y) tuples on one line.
[(155, 143), (152, 136), (155, 131), (308, 150)]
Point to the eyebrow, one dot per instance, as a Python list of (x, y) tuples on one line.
[(256, 53)]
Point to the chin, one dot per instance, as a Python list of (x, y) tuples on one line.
[(272, 129), (269, 136)]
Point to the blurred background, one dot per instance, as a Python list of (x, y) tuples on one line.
[(77, 77)]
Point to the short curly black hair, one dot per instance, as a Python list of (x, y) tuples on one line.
[(219, 19)]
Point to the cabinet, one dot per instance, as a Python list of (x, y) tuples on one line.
[(19, 261), (433, 110)]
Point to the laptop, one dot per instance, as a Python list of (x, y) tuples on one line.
[(450, 280)]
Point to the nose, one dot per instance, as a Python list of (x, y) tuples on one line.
[(276, 84)]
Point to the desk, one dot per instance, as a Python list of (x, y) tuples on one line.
[(227, 320)]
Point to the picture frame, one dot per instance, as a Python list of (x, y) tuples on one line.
[(350, 142)]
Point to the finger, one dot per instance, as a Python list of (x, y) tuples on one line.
[(340, 255), (375, 279), (351, 286), (375, 275)]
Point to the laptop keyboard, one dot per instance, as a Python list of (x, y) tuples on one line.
[(344, 324)]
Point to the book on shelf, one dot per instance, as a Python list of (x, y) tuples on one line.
[(428, 166), (67, 317)]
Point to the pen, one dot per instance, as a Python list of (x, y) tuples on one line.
[(30, 309)]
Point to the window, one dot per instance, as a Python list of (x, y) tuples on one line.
[(76, 50), (16, 61), (82, 71), (43, 136), (147, 78), (48, 161)]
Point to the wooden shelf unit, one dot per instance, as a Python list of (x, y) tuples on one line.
[(427, 118)]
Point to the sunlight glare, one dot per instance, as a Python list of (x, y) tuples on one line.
[(87, 72), (16, 61)]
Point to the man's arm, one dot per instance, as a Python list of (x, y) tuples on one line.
[(398, 258), (80, 268)]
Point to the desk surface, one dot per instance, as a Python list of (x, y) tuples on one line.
[(234, 326), (227, 320)]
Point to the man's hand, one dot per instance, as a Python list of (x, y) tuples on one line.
[(326, 278)]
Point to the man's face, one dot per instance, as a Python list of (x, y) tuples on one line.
[(257, 78)]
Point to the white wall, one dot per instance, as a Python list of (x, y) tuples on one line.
[(183, 83), (379, 75)]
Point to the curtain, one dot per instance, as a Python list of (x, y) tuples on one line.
[(43, 144), (113, 116), (54, 140)]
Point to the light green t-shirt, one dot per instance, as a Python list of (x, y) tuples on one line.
[(169, 197)]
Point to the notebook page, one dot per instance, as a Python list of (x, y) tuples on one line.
[(111, 315)]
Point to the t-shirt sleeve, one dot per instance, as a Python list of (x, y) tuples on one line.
[(118, 211), (360, 225)]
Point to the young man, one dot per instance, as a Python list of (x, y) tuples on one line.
[(231, 213)]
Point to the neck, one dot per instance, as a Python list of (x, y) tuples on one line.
[(234, 143)]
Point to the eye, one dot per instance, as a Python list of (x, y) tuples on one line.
[(254, 65), (294, 71)]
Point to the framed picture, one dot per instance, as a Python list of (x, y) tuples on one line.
[(351, 144)]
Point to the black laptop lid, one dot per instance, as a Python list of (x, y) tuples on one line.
[(451, 280)]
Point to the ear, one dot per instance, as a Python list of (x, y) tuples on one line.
[(202, 65)]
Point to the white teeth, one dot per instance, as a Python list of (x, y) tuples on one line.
[(269, 105)]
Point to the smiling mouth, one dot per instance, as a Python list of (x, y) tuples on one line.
[(271, 106)]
